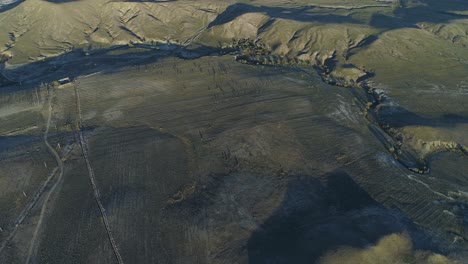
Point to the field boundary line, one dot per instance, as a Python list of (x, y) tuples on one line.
[(92, 179)]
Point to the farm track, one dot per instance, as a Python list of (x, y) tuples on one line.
[(59, 178), (201, 105), (194, 36), (33, 201), (93, 180)]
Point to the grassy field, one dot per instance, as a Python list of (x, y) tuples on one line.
[(209, 160), (196, 168)]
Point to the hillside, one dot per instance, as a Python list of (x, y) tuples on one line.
[(261, 131)]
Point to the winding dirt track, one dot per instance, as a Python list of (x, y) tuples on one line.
[(59, 161), (33, 201), (93, 180)]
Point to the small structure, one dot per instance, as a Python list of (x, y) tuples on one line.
[(64, 81)]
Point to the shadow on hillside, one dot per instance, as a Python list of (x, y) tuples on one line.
[(429, 11), (397, 116), (75, 63), (403, 17), (11, 5), (298, 14), (315, 218)]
